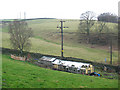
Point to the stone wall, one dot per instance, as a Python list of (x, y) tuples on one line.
[(18, 58)]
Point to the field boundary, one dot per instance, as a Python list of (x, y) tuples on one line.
[(39, 55)]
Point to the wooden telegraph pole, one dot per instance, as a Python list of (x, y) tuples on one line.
[(62, 37), (111, 51)]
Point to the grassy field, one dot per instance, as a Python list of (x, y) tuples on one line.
[(41, 46), (0, 71), (19, 74), (47, 40)]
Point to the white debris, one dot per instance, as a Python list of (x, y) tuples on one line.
[(77, 65)]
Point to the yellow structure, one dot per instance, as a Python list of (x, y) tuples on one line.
[(89, 69), (55, 66)]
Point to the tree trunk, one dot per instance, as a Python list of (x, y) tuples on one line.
[(88, 37), (21, 52)]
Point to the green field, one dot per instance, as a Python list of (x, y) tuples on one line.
[(19, 74), (47, 40)]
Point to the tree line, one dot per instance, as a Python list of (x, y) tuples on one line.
[(95, 30)]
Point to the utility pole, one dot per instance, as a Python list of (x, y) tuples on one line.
[(111, 51), (24, 15), (62, 37)]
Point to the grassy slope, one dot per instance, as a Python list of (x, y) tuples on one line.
[(0, 71), (47, 41), (18, 74), (46, 30), (41, 46)]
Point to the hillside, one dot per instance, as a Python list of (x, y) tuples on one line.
[(19, 74), (47, 40)]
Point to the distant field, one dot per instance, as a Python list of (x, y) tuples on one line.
[(47, 40), (19, 74)]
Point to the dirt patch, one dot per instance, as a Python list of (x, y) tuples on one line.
[(83, 86)]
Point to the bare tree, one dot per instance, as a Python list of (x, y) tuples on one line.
[(86, 22), (101, 27), (101, 36), (19, 35), (87, 19)]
